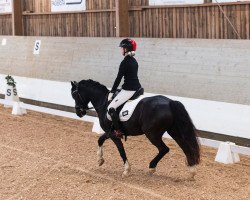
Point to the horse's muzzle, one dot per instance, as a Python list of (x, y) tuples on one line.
[(80, 113)]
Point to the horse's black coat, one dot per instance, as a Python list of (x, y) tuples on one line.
[(153, 116)]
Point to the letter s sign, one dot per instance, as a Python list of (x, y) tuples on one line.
[(14, 91), (9, 92), (37, 47)]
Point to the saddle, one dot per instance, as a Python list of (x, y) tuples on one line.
[(126, 110)]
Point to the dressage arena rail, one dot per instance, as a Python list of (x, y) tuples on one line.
[(203, 141)]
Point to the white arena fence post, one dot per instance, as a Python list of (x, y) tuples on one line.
[(226, 155)]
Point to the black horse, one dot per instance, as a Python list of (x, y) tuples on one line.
[(153, 116)]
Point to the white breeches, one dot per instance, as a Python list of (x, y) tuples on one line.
[(121, 98)]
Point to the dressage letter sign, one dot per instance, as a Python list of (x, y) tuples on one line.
[(37, 47), (5, 6), (67, 5)]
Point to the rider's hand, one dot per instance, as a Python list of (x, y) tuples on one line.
[(110, 96)]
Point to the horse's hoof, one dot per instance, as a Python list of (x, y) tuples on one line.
[(100, 162), (125, 174), (152, 171), (191, 177), (192, 171)]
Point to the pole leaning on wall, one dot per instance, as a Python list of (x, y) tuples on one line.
[(122, 22), (17, 17)]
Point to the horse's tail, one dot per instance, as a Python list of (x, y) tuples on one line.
[(184, 133)]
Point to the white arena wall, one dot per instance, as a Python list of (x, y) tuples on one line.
[(212, 116), (216, 70)]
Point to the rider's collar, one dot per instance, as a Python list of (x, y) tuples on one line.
[(130, 53)]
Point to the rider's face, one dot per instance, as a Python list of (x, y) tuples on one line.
[(123, 50)]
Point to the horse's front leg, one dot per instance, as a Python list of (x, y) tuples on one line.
[(122, 152), (101, 140)]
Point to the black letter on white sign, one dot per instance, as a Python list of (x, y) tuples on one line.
[(8, 92), (37, 46)]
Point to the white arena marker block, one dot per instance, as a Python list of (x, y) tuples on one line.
[(11, 95), (24, 111), (96, 127), (225, 154), (17, 109), (236, 156)]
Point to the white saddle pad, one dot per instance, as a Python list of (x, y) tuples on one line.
[(128, 109)]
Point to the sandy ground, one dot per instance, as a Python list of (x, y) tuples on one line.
[(49, 157)]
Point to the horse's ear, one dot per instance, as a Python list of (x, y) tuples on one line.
[(74, 83)]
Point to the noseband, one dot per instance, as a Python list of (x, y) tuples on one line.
[(82, 99)]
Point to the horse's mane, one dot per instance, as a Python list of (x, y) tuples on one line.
[(93, 84)]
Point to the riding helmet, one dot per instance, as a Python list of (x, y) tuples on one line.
[(128, 44)]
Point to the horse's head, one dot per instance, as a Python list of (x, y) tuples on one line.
[(81, 99)]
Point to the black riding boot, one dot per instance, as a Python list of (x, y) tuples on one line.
[(116, 122)]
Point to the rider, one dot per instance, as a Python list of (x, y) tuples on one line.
[(129, 70)]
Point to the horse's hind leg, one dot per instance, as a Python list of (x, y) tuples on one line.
[(122, 152), (101, 140), (161, 146)]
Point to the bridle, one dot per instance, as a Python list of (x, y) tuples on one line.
[(83, 99)]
